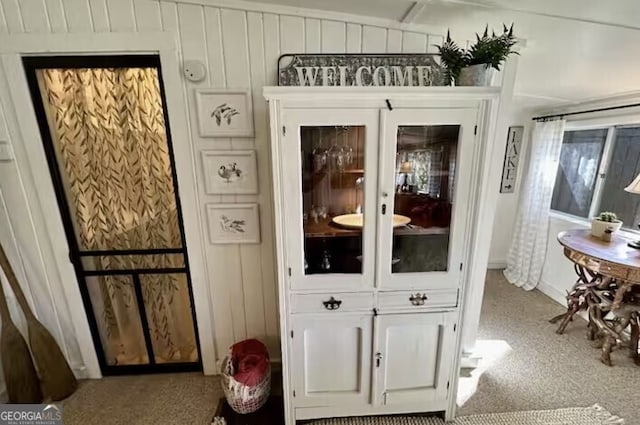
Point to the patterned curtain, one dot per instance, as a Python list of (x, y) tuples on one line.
[(108, 131)]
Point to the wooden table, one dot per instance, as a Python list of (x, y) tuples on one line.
[(608, 288)]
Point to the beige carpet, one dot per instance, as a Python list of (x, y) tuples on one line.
[(542, 371), (594, 415), (174, 399), (545, 370)]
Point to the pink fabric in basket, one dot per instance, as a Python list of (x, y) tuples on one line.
[(250, 360)]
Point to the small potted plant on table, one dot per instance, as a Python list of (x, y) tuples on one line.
[(606, 221), (473, 67)]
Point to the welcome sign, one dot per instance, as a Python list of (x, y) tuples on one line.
[(346, 70)]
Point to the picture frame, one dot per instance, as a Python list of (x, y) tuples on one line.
[(233, 223), (224, 112), (230, 172)]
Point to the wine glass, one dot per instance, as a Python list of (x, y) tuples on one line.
[(322, 212), (319, 158), (348, 151), (319, 154), (325, 265)]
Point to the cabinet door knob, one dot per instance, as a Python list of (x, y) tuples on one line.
[(418, 299), (332, 304)]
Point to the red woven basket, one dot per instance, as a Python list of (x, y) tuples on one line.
[(243, 398)]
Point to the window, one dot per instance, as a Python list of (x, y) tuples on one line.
[(594, 168), (624, 166), (577, 171)]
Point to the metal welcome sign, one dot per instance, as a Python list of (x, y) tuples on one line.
[(360, 70)]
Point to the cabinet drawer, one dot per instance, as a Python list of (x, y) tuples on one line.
[(417, 300), (319, 303)]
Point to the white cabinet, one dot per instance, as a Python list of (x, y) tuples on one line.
[(375, 207), (413, 357), (331, 359)]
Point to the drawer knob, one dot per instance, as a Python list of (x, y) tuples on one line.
[(332, 304), (418, 299)]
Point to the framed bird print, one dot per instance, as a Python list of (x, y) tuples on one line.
[(224, 113), (233, 223), (230, 172)]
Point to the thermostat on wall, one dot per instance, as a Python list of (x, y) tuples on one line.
[(194, 70)]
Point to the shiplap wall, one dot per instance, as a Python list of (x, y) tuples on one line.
[(240, 49)]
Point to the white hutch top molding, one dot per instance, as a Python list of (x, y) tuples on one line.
[(381, 207)]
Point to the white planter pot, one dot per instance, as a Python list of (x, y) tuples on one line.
[(475, 75), (598, 227)]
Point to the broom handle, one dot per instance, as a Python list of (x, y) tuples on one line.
[(15, 286), (4, 308)]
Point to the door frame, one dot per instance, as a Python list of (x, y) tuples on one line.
[(34, 171)]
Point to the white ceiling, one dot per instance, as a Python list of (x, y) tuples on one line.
[(575, 49)]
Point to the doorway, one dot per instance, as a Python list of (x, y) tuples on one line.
[(103, 122)]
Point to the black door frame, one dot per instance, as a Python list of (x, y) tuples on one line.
[(31, 65)]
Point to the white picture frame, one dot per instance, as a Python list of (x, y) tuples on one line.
[(224, 112), (230, 172), (233, 223)]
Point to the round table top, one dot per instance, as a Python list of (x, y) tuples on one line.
[(615, 258)]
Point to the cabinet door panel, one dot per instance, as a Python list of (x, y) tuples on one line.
[(331, 359), (416, 353), (426, 165), (330, 180)]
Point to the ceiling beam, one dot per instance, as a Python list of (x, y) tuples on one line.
[(413, 12)]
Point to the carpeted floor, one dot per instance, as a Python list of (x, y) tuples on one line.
[(594, 415), (542, 371), (545, 370)]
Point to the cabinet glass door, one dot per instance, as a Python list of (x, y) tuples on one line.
[(426, 164), (329, 168)]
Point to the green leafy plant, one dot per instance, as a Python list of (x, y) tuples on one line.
[(453, 58), (608, 216), (491, 50)]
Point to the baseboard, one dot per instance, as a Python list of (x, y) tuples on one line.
[(552, 292), (81, 372), (470, 360), (498, 264)]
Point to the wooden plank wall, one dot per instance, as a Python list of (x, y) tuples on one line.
[(240, 49)]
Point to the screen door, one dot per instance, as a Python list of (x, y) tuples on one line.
[(104, 126)]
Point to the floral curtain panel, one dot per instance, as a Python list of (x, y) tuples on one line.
[(108, 131)]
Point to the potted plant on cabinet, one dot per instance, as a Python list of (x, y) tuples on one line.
[(473, 67), (603, 222)]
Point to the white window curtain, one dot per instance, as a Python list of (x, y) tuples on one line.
[(529, 244)]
